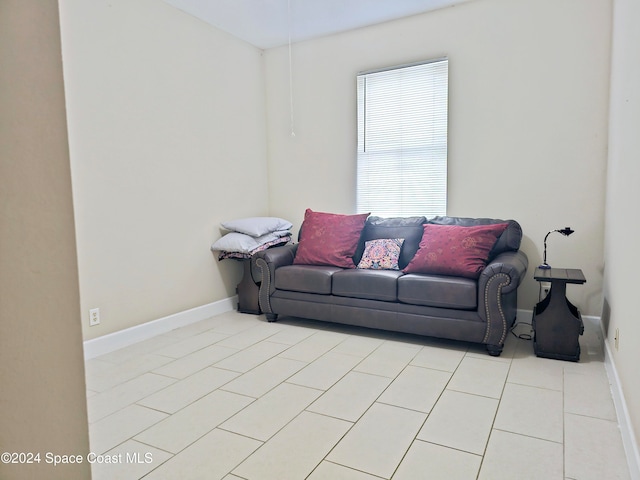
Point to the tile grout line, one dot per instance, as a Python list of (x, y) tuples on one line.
[(131, 356), (495, 416)]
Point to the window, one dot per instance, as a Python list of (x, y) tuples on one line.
[(402, 140)]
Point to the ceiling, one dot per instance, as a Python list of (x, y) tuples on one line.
[(265, 23)]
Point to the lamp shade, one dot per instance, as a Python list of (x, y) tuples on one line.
[(566, 231)]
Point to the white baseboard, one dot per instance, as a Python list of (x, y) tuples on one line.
[(524, 316), (113, 341), (590, 321), (624, 420)]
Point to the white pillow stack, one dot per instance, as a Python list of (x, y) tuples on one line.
[(248, 236)]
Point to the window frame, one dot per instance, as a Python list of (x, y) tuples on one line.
[(407, 133)]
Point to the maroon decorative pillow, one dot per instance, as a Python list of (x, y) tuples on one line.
[(455, 250), (329, 239)]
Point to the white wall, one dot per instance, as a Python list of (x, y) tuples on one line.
[(43, 403), (166, 119), (167, 138), (622, 258), (527, 121)]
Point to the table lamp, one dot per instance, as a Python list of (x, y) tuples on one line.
[(566, 231)]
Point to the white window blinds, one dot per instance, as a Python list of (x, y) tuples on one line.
[(402, 140)]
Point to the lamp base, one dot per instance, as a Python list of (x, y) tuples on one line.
[(544, 266)]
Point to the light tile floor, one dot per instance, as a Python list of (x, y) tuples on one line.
[(235, 397)]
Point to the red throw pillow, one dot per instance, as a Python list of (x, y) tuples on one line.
[(455, 250), (329, 239)]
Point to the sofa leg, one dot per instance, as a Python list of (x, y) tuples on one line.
[(271, 317), (494, 350)]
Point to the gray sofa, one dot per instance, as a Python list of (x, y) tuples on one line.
[(478, 310)]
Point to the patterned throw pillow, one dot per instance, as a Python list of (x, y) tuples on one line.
[(329, 239), (381, 254), (455, 250)]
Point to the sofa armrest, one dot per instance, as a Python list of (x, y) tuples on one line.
[(497, 296), (268, 261)]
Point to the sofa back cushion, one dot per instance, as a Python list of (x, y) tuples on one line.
[(409, 228), (509, 240)]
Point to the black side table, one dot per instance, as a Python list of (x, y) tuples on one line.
[(557, 323), (247, 290)]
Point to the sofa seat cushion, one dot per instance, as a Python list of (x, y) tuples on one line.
[(368, 284), (305, 278), (438, 291)]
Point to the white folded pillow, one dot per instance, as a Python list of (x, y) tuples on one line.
[(240, 242), (257, 226)]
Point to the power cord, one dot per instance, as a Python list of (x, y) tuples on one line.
[(528, 335), (523, 335)]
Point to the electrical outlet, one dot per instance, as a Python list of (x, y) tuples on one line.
[(94, 317), (544, 289), (616, 339)]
